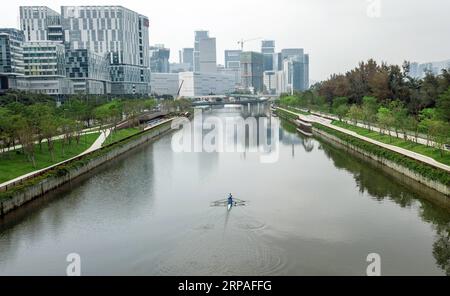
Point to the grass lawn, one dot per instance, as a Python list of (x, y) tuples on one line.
[(121, 134), (418, 148), (14, 163)]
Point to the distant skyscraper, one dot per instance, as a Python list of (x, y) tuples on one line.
[(291, 52), (233, 58), (270, 82), (159, 59), (417, 70), (40, 23), (119, 33), (268, 49), (252, 71), (11, 52), (233, 65), (205, 59), (208, 60), (198, 35), (306, 69), (277, 62), (187, 57), (296, 73)]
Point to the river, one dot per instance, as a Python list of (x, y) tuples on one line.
[(317, 210)]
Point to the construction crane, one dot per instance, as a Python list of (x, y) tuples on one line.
[(242, 42)]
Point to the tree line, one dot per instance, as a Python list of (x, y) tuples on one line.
[(29, 123), (385, 96)]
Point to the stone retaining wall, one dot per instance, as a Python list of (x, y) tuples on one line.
[(51, 183)]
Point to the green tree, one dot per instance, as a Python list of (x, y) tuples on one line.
[(369, 110), (399, 113), (443, 106), (6, 129), (413, 124), (440, 133), (49, 126), (355, 113), (35, 114), (385, 119), (426, 118)]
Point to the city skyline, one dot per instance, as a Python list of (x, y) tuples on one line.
[(295, 24)]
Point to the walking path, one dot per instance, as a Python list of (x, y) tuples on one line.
[(412, 138), (417, 156), (59, 137), (96, 145)]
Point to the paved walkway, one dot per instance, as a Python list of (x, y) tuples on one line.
[(327, 122), (412, 138), (59, 137), (96, 145)]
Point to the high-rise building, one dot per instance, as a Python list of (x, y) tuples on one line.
[(45, 71), (198, 36), (119, 33), (187, 57), (44, 58), (306, 73), (270, 82), (296, 73), (233, 59), (233, 65), (11, 52), (292, 65), (252, 71), (11, 58), (208, 60), (205, 58), (417, 70), (40, 23), (277, 62), (291, 52), (88, 71), (268, 49), (159, 59)]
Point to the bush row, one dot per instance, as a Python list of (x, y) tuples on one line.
[(421, 168)]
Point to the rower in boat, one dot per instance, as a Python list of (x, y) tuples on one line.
[(230, 201)]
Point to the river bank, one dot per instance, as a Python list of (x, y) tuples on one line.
[(432, 177), (55, 177)]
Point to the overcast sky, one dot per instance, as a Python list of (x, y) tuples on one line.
[(336, 33)]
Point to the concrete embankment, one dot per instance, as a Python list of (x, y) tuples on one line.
[(436, 185), (433, 184), (16, 197)]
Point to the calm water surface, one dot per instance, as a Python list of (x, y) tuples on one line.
[(317, 211)]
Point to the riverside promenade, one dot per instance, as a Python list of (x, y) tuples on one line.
[(328, 123)]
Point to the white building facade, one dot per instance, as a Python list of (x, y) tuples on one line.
[(194, 84), (165, 84)]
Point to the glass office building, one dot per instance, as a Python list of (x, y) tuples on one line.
[(120, 34), (252, 71), (11, 52), (88, 71), (40, 23), (268, 49)]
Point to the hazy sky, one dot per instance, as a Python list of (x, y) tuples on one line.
[(336, 33)]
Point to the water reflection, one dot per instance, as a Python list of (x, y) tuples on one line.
[(372, 177), (318, 210)]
